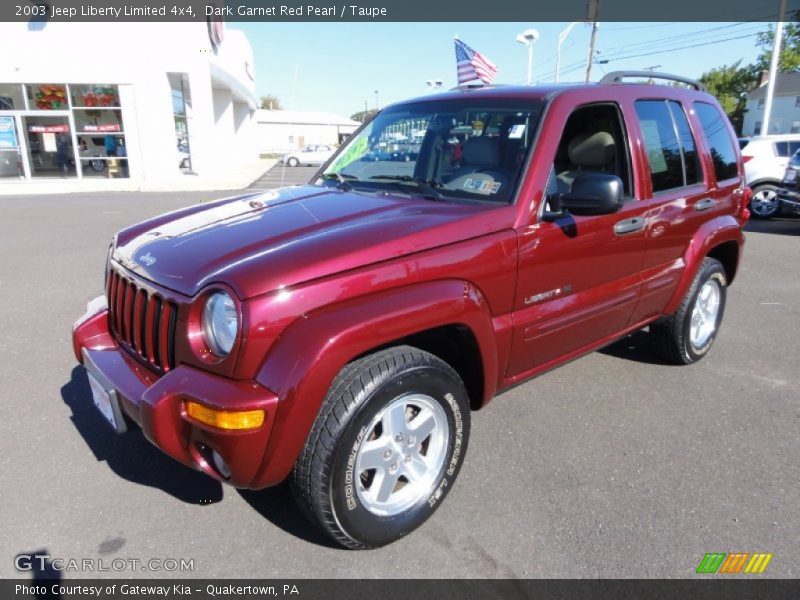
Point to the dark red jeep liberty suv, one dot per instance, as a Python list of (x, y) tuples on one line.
[(341, 333)]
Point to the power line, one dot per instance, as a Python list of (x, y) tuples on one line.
[(616, 57), (657, 45)]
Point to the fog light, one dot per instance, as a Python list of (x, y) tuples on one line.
[(220, 465), (225, 419)]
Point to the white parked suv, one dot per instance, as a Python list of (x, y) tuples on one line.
[(765, 158)]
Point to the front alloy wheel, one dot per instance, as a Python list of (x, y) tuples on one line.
[(385, 449), (402, 455)]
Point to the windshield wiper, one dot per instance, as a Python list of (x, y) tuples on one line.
[(341, 179), (428, 187)]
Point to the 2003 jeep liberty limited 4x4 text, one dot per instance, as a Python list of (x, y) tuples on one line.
[(341, 333)]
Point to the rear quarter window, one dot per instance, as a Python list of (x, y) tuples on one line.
[(720, 144)]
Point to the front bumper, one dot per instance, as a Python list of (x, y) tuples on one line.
[(156, 404), (790, 198)]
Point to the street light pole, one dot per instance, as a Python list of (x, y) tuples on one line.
[(773, 69), (561, 37), (377, 106), (528, 38)]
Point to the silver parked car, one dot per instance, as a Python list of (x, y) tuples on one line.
[(312, 155)]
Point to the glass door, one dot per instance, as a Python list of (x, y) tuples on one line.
[(50, 150)]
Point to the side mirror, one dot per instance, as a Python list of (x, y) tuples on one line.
[(594, 194)]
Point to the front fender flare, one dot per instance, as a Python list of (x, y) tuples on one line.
[(309, 354)]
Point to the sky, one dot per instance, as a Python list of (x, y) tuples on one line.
[(336, 67)]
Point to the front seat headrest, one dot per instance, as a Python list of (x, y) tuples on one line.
[(592, 149), (483, 151)]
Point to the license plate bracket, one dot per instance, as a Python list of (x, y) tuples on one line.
[(105, 398)]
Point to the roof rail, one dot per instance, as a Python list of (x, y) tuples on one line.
[(618, 76), (475, 86)]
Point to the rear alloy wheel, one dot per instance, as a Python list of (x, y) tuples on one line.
[(687, 336), (292, 162), (385, 449), (764, 203)]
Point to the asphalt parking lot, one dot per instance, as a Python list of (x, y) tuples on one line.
[(611, 466), (281, 175)]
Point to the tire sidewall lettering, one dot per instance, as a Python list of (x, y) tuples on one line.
[(349, 474)]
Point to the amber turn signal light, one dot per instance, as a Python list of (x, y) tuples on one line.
[(225, 419)]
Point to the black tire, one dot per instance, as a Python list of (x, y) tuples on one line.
[(670, 337), (764, 203), (325, 482), (293, 162)]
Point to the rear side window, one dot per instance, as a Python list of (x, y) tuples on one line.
[(669, 144), (723, 153), (782, 149)]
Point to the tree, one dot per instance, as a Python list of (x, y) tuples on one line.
[(363, 115), (730, 84), (790, 47), (271, 102)]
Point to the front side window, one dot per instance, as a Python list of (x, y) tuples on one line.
[(669, 144), (723, 152), (465, 149)]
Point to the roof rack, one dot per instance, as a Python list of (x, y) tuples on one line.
[(475, 86), (618, 76)]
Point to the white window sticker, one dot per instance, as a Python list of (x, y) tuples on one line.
[(516, 131)]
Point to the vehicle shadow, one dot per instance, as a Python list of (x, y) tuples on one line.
[(277, 505), (780, 226), (132, 456), (634, 347)]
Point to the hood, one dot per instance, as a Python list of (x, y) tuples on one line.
[(262, 242)]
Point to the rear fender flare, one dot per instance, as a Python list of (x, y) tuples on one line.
[(711, 234)]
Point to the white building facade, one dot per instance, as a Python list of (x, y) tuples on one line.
[(282, 130), (785, 116), (138, 106)]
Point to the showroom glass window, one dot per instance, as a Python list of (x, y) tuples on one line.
[(99, 130)]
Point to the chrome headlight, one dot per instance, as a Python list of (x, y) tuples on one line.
[(220, 323)]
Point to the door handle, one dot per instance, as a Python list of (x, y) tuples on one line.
[(629, 225), (704, 204)]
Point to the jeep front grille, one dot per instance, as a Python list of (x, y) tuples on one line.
[(142, 322)]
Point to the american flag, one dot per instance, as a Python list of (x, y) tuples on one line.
[(473, 65)]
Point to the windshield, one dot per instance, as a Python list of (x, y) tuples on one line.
[(455, 149)]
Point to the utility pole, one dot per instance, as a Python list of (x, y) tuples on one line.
[(651, 69), (593, 15), (773, 69)]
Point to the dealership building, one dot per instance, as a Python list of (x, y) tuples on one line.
[(282, 130), (124, 106)]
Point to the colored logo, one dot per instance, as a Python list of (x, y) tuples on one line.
[(734, 562)]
